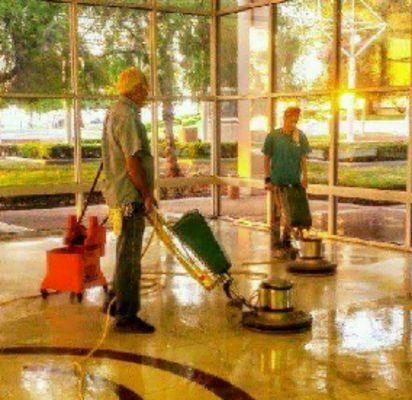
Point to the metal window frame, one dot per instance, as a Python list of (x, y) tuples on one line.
[(332, 190)]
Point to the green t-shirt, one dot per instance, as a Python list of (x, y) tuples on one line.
[(124, 135), (286, 156)]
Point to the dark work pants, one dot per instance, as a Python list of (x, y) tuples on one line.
[(128, 266), (279, 218)]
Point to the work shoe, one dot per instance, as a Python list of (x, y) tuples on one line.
[(287, 243), (280, 253), (134, 325)]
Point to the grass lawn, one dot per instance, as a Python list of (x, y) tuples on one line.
[(29, 174), (375, 176)]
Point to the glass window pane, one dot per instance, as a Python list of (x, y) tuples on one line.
[(243, 52), (303, 45), (247, 204), (35, 137), (243, 131), (233, 3), (185, 139), (35, 214), (145, 3), (371, 220), (183, 199), (92, 116), (373, 146), (183, 54), (34, 44), (110, 40), (195, 5), (35, 152), (319, 210), (376, 37)]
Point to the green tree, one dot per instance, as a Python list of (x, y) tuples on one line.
[(35, 53), (112, 39), (185, 39), (34, 47)]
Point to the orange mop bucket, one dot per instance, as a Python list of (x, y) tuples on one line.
[(76, 266)]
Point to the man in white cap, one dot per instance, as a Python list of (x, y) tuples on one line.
[(128, 190)]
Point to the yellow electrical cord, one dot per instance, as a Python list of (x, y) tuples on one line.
[(195, 267), (79, 367)]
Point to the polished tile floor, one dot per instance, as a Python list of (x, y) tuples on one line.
[(359, 346)]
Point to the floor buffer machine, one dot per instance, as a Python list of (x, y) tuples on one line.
[(307, 253), (193, 243), (310, 259)]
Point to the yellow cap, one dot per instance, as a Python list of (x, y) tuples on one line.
[(129, 79)]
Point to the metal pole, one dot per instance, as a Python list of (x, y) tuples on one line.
[(350, 110), (214, 83), (334, 135), (408, 230), (76, 106), (154, 103), (272, 25)]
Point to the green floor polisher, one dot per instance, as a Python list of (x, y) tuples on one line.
[(192, 241)]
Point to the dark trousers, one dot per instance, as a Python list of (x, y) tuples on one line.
[(279, 219), (128, 266)]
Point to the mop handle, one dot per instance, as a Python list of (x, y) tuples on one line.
[(89, 196)]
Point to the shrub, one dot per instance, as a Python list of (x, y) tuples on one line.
[(62, 151), (34, 150), (91, 148), (392, 151), (386, 151), (191, 121), (9, 150), (228, 150), (92, 151), (324, 148), (198, 149)]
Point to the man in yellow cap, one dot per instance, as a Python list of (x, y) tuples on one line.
[(128, 190)]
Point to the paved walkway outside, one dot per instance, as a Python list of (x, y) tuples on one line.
[(382, 223)]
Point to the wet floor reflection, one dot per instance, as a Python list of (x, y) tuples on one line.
[(45, 381), (359, 345)]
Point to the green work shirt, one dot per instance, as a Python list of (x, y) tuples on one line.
[(286, 156), (124, 135)]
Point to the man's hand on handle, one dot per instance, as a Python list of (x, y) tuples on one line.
[(269, 187)]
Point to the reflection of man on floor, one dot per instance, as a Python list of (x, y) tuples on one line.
[(285, 151), (128, 190)]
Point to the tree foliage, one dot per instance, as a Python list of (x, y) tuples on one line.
[(34, 47)]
